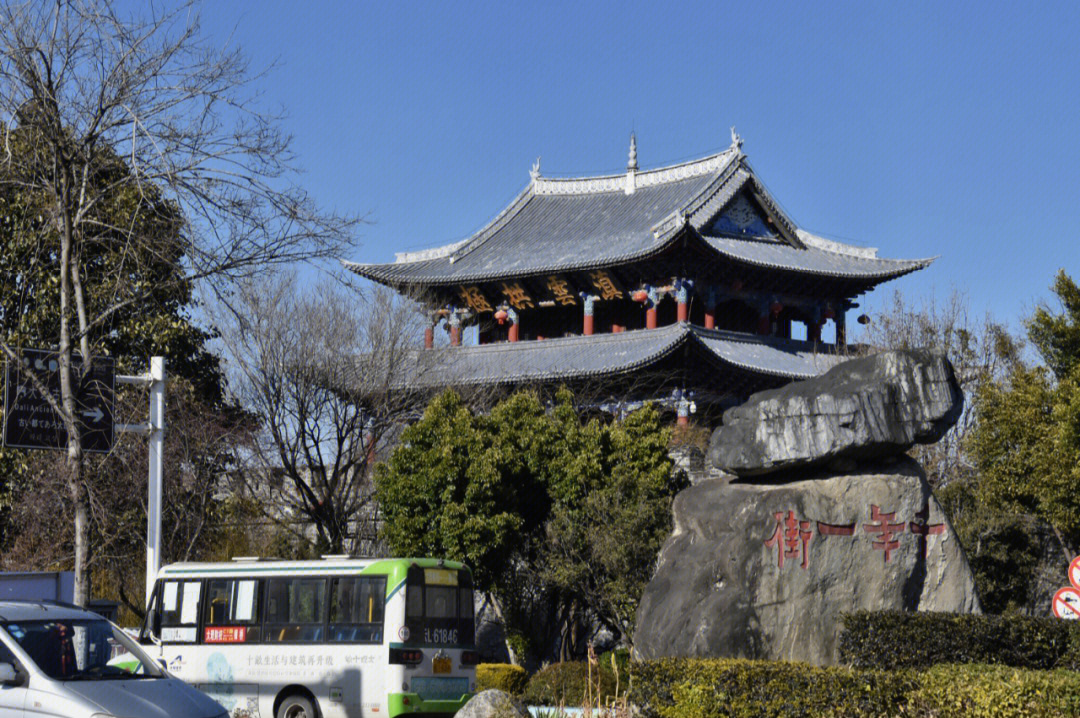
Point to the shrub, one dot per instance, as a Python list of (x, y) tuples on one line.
[(736, 688), (503, 676), (739, 688), (568, 684), (980, 691), (895, 639)]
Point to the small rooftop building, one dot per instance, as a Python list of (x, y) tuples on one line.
[(685, 284)]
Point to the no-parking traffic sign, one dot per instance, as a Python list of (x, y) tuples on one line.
[(1074, 572), (1066, 603)]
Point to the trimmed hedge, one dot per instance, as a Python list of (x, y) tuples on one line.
[(736, 688), (979, 691), (567, 684), (897, 639), (503, 676), (739, 688)]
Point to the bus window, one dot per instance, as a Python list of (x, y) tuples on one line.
[(179, 611), (432, 611), (465, 603), (295, 609), (356, 609), (230, 611)]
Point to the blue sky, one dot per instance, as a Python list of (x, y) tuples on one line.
[(922, 129)]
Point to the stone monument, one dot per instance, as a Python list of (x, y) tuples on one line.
[(821, 513)]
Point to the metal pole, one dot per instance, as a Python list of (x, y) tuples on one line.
[(156, 450)]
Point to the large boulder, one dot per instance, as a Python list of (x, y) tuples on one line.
[(493, 703), (864, 408), (761, 569)]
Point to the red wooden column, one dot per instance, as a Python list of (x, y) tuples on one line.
[(650, 298), (513, 333), (710, 309), (455, 329), (683, 406), (587, 324), (429, 336), (682, 299), (813, 328), (764, 325)]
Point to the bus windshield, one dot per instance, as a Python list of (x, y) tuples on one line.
[(439, 607), (81, 650)]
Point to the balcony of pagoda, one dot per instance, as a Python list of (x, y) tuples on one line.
[(770, 315)]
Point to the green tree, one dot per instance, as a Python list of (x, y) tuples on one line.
[(454, 488), (602, 543), (1026, 443), (561, 519)]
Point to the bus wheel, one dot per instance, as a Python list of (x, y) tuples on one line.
[(295, 706)]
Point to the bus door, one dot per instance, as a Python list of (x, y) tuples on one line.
[(231, 628), (173, 623)]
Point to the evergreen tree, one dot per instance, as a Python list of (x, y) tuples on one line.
[(560, 519), (1026, 443)]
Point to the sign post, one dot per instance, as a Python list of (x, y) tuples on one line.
[(30, 422), (154, 430)]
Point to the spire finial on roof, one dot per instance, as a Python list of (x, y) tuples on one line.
[(535, 171), (736, 141), (632, 164)]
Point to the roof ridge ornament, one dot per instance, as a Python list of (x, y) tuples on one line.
[(631, 167), (534, 173), (736, 140)]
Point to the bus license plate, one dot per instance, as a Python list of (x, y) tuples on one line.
[(440, 665)]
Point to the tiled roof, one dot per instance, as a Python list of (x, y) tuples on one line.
[(608, 354), (813, 260), (578, 224)]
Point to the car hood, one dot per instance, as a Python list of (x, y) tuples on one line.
[(147, 697)]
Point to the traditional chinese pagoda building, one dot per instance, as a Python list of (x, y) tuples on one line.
[(687, 284)]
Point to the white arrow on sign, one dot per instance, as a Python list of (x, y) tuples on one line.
[(1066, 603), (97, 414)]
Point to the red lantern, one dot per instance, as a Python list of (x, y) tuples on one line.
[(776, 307), (829, 313), (501, 316), (639, 295), (863, 319)]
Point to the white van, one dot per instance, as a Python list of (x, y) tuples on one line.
[(64, 661)]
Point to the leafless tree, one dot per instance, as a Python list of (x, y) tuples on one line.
[(98, 102), (325, 371), (199, 448)]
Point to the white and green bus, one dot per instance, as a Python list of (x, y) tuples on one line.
[(330, 638)]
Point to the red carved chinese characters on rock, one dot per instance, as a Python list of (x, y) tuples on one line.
[(792, 539), (922, 528), (885, 530), (792, 536)]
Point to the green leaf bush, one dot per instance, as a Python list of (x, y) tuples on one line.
[(503, 676), (737, 688), (569, 684), (896, 639), (980, 691)]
